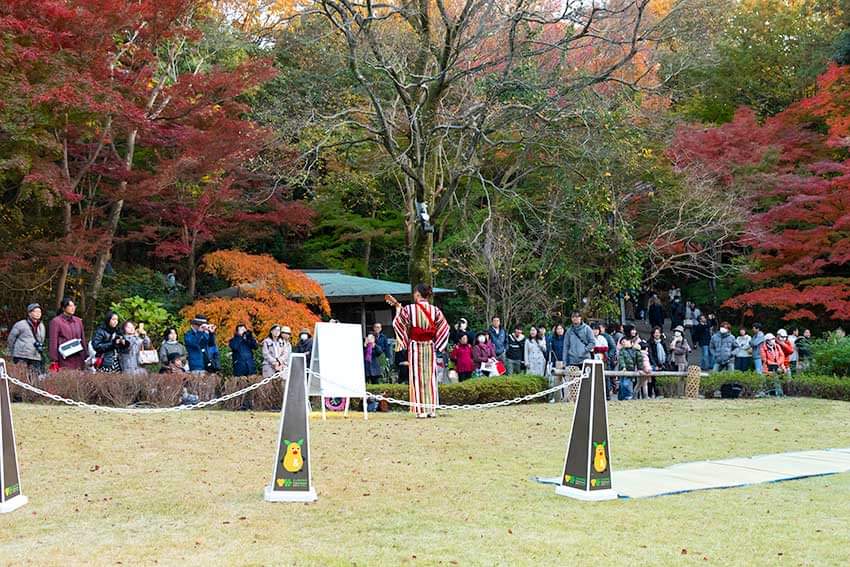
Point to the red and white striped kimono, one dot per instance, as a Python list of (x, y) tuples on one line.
[(422, 329)]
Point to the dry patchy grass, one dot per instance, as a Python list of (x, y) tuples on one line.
[(187, 489)]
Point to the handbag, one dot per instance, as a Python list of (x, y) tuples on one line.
[(148, 357), (70, 348), (212, 359)]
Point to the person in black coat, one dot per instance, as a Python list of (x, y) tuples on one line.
[(677, 313), (106, 342), (701, 337), (304, 345), (371, 352), (242, 347), (403, 366), (655, 312)]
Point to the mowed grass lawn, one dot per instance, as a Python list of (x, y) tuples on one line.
[(186, 489)]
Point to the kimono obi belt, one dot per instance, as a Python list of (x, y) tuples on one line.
[(422, 335)]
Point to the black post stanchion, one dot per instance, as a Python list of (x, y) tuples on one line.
[(291, 480), (11, 497), (587, 467)]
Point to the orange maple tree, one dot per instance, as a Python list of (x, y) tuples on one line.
[(267, 293)]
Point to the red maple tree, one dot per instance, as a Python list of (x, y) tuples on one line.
[(114, 114), (795, 168)]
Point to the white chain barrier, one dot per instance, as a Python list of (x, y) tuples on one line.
[(263, 382), (181, 407), (487, 405), (462, 407)]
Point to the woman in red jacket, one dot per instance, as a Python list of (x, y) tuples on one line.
[(772, 355), (66, 331), (462, 357), (773, 361), (483, 353)]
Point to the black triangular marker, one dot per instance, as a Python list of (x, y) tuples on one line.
[(291, 480), (587, 467), (10, 475)]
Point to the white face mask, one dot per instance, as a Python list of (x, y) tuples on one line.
[(724, 330), (482, 340), (678, 334), (303, 337)]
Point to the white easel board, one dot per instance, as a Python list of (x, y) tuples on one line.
[(336, 363)]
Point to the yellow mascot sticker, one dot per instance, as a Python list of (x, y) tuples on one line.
[(293, 461), (600, 463)]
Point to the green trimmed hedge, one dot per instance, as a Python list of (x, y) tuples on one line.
[(810, 385), (473, 391), (819, 386), (751, 382)]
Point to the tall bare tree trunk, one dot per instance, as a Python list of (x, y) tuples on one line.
[(421, 248), (105, 254), (112, 222), (63, 274), (193, 276)]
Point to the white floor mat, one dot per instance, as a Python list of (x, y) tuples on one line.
[(725, 473)]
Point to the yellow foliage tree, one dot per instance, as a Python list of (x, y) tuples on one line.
[(267, 293)]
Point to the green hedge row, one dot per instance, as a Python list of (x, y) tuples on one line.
[(810, 385), (751, 382), (473, 391)]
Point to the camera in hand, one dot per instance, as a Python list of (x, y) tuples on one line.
[(39, 346)]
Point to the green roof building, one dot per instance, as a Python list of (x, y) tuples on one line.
[(355, 299)]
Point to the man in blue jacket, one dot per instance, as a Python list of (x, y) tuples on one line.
[(578, 342), (499, 338), (200, 340)]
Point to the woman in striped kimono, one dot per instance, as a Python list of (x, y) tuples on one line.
[(422, 329)]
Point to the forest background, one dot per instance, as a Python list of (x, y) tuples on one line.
[(565, 152)]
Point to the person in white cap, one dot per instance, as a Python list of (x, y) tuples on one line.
[(787, 347), (773, 361), (680, 348), (276, 350), (26, 340)]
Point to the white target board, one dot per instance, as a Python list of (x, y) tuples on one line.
[(336, 363)]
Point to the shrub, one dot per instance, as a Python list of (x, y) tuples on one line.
[(474, 391), (831, 356), (708, 385), (819, 386), (161, 390), (151, 313), (129, 281)]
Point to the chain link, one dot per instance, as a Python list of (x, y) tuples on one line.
[(181, 407), (487, 405), (281, 375)]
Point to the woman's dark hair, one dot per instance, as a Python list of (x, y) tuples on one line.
[(168, 332), (424, 290), (236, 329), (124, 324), (66, 301), (108, 317), (484, 334), (272, 329)]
